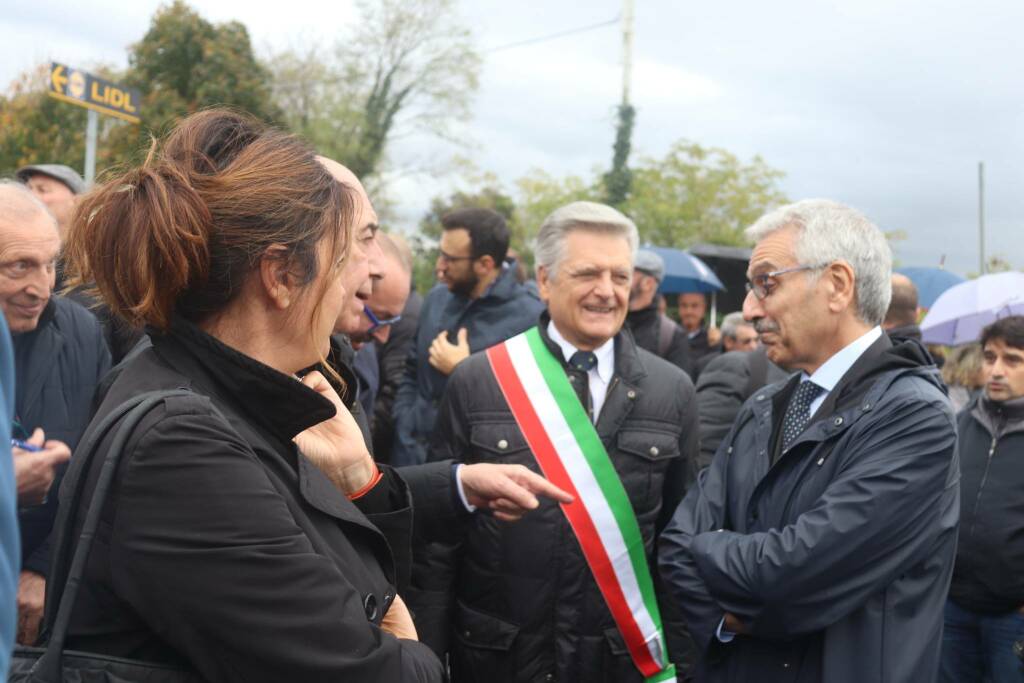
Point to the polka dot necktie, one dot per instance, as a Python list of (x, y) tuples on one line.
[(798, 414), (583, 360)]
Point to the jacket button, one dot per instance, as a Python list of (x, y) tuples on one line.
[(760, 397), (785, 665), (467, 633), (630, 394), (572, 378), (654, 450), (503, 444), (370, 606), (549, 677), (838, 421)]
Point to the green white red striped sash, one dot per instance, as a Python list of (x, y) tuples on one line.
[(571, 456)]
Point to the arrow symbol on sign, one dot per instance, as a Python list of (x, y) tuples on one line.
[(58, 79)]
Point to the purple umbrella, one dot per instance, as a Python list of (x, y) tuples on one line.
[(960, 313)]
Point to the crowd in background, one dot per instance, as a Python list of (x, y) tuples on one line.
[(799, 471)]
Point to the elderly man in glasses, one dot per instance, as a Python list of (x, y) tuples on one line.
[(819, 543)]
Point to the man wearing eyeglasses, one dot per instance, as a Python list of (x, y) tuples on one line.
[(477, 304), (819, 544), (382, 310)]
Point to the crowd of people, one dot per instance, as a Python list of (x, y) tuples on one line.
[(512, 477)]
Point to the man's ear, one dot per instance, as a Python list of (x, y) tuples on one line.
[(543, 283), (278, 283), (484, 265), (842, 283)]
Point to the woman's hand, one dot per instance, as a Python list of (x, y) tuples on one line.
[(336, 445), (398, 621)]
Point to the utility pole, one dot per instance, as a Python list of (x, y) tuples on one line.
[(91, 130), (981, 218), (627, 49), (619, 180)]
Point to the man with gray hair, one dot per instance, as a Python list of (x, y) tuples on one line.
[(652, 329), (819, 543), (737, 335), (59, 358), (576, 399)]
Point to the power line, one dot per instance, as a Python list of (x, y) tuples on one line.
[(560, 34)]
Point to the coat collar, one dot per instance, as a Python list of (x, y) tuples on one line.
[(279, 402)]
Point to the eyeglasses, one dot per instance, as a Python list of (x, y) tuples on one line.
[(448, 258), (376, 322), (762, 285)]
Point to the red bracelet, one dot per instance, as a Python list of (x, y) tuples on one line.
[(374, 480)]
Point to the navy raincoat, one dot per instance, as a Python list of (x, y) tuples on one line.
[(838, 556)]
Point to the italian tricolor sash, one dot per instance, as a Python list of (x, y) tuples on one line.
[(572, 457)]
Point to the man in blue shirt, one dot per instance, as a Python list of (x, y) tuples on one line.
[(10, 547)]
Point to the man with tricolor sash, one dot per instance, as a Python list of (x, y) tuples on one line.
[(569, 592)]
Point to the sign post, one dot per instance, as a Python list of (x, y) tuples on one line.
[(99, 96)]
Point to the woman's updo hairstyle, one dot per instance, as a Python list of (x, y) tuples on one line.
[(182, 233)]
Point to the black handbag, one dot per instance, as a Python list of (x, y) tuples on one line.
[(52, 663)]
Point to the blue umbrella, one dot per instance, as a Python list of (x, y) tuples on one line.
[(685, 273), (960, 313), (930, 282)]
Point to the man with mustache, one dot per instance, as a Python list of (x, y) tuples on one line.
[(576, 398), (985, 612), (819, 543)]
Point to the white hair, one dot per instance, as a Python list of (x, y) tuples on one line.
[(827, 231), (732, 323), (18, 204), (550, 244)]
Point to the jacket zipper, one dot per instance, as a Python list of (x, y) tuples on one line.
[(981, 487)]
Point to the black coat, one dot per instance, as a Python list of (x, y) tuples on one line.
[(645, 325), (839, 555), (989, 573), (517, 602), (58, 366), (391, 359), (504, 311), (221, 546)]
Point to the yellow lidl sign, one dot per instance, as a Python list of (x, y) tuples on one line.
[(92, 92)]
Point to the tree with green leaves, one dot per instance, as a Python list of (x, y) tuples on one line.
[(407, 67), (700, 194)]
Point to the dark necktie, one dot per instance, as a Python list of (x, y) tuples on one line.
[(798, 413), (583, 360)]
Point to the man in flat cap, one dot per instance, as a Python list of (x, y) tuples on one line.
[(653, 330), (58, 187)]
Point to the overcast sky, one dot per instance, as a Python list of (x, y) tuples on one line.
[(887, 105)]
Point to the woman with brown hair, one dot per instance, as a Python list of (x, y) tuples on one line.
[(242, 534)]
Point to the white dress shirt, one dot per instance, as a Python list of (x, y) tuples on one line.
[(598, 377), (831, 371)]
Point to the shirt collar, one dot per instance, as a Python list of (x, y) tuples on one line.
[(605, 352), (832, 370)]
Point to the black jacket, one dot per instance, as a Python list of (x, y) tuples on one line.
[(222, 547), (645, 325), (505, 310), (724, 385), (517, 602), (989, 572), (391, 359), (57, 368), (838, 556)]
